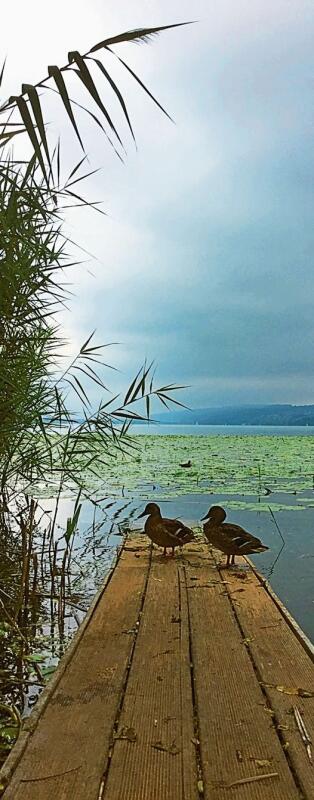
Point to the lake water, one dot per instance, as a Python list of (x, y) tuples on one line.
[(227, 430), (263, 477), (289, 567)]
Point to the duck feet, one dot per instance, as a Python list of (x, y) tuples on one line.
[(165, 552)]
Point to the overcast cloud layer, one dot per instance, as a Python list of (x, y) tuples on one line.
[(205, 261)]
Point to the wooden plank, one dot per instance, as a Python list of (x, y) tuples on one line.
[(131, 672), (68, 751), (280, 659), (30, 723), (235, 729), (158, 707), (306, 643)]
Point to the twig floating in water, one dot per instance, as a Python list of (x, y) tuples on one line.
[(277, 526)]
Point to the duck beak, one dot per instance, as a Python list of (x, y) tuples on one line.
[(144, 514), (207, 516)]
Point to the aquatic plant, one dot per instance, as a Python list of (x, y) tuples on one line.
[(219, 464), (34, 379)]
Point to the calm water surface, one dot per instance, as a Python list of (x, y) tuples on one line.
[(227, 430), (289, 567)]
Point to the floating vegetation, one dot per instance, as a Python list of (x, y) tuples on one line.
[(222, 464), (262, 507)]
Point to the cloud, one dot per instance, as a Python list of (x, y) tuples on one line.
[(205, 259)]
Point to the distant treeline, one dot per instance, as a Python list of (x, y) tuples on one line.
[(241, 415)]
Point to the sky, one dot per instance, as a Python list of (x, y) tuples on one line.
[(205, 260)]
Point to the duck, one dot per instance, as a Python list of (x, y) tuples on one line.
[(187, 464), (230, 539), (165, 532)]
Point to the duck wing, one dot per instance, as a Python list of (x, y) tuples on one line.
[(230, 541), (180, 533), (168, 532), (244, 541), (236, 532), (219, 539)]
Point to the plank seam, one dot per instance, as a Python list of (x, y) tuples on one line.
[(259, 677), (303, 639), (199, 766), (104, 779)]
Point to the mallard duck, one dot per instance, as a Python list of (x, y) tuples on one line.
[(186, 464), (230, 539), (165, 532)]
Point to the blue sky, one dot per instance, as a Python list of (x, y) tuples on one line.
[(205, 261)]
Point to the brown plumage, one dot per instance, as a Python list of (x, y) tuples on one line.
[(230, 539), (165, 532)]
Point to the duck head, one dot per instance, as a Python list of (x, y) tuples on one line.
[(152, 509), (215, 514)]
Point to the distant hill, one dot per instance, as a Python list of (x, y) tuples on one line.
[(240, 415)]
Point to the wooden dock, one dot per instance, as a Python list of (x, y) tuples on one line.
[(181, 684)]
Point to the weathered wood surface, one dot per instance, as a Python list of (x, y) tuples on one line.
[(279, 660), (158, 704), (235, 730), (171, 692), (68, 751)]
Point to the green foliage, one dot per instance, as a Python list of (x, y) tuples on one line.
[(40, 436), (73, 521), (34, 389), (33, 386), (26, 108), (31, 254)]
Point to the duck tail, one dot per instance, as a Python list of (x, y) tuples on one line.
[(186, 535)]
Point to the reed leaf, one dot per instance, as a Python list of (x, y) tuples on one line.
[(58, 76)]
